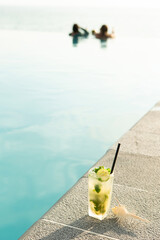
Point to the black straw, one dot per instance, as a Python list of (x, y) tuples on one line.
[(115, 158)]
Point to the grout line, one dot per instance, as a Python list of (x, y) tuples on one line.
[(120, 185), (141, 190), (80, 229)]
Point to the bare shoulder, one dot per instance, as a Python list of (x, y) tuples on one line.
[(112, 35), (97, 35)]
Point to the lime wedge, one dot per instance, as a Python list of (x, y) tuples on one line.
[(103, 174)]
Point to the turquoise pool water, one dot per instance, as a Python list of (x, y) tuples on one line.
[(63, 106)]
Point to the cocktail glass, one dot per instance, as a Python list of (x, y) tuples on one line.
[(99, 195)]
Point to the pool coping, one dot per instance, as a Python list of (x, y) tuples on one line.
[(68, 219)]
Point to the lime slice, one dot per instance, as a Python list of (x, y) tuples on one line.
[(103, 174)]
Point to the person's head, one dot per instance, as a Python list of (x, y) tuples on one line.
[(104, 29), (75, 28)]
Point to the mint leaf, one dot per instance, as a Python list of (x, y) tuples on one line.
[(100, 179), (97, 188)]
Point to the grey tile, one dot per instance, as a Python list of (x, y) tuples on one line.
[(141, 203), (157, 104), (72, 206), (150, 123), (46, 230), (72, 210), (142, 143), (53, 231)]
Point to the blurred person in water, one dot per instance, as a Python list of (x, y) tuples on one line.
[(78, 31), (103, 34)]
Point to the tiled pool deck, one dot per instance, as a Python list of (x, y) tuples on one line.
[(136, 185)]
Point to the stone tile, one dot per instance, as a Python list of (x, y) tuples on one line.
[(73, 210), (141, 143), (136, 171), (150, 123), (157, 104), (72, 206), (141, 203), (53, 231)]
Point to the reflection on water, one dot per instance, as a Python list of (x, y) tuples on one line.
[(103, 43), (77, 39)]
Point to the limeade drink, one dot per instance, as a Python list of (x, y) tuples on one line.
[(100, 184)]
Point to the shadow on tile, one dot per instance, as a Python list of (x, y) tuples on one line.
[(109, 227)]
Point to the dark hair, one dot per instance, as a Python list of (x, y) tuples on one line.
[(75, 28), (104, 29)]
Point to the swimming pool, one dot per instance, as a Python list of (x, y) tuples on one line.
[(61, 108)]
